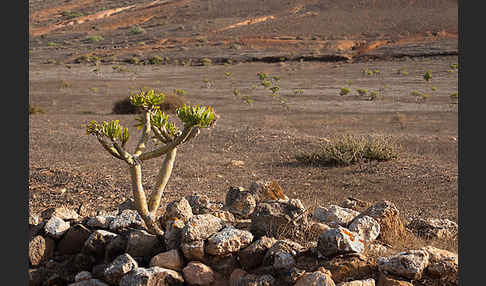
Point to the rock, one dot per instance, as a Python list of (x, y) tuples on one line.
[(197, 273), (240, 202), (98, 270), (256, 280), (61, 212), (236, 275), (366, 282), (100, 221), (377, 249), (200, 227), (319, 227), (55, 227), (316, 278), (141, 243), (178, 209), (267, 191), (339, 241), (355, 204), (115, 248), (273, 218), (193, 250), (383, 280), (408, 264), (73, 241), (367, 227), (34, 219), (242, 224), (434, 228), (228, 240), (171, 259), (223, 265), (96, 243), (334, 214), (388, 216), (225, 216), (127, 218), (252, 255), (89, 282), (200, 204), (119, 267), (127, 204), (36, 276), (36, 229), (443, 264), (173, 233), (151, 276), (83, 275), (40, 249), (344, 267), (281, 255)]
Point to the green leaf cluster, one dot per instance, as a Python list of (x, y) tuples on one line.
[(196, 116), (112, 130), (147, 99), (161, 120)]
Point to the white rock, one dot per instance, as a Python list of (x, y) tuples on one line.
[(56, 227), (127, 218), (366, 282), (228, 240), (200, 227), (100, 221), (119, 267), (336, 214), (151, 276), (339, 241), (367, 227), (408, 264)]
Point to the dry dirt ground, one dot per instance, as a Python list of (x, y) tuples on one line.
[(398, 39)]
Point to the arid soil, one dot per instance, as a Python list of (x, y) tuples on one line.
[(398, 41)]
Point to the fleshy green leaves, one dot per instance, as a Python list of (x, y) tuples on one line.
[(112, 130), (161, 120), (196, 116), (147, 99)]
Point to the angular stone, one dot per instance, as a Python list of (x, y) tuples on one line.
[(281, 255), (141, 243), (119, 267), (200, 204), (97, 241), (388, 216), (236, 275), (178, 209), (61, 212), (225, 216), (339, 241), (223, 265), (200, 227), (115, 247), (316, 278), (366, 282), (273, 218), (127, 218), (193, 250), (367, 227), (151, 276), (264, 190), (408, 264), (240, 202), (89, 282), (334, 214), (256, 280), (252, 255), (342, 267), (384, 280), (228, 240), (40, 249), (173, 233), (83, 275), (355, 204), (36, 276), (73, 241), (442, 264), (197, 273), (434, 228), (171, 259), (55, 227), (100, 221)]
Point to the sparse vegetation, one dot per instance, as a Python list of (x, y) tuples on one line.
[(344, 91), (428, 75), (34, 109), (206, 62), (135, 30), (349, 149), (362, 91), (95, 38)]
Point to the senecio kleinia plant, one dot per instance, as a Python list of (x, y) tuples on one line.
[(113, 137)]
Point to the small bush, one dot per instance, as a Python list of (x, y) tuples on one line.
[(136, 30), (344, 91), (349, 149), (206, 62), (33, 109), (95, 38), (170, 104), (361, 91)]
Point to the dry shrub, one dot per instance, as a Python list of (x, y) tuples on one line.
[(170, 104), (34, 109), (349, 149)]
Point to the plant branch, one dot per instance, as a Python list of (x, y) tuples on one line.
[(145, 135), (162, 179), (165, 149), (112, 150)]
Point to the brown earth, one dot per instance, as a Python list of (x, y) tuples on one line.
[(324, 45)]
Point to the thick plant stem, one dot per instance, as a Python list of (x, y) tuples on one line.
[(162, 179), (141, 201)]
